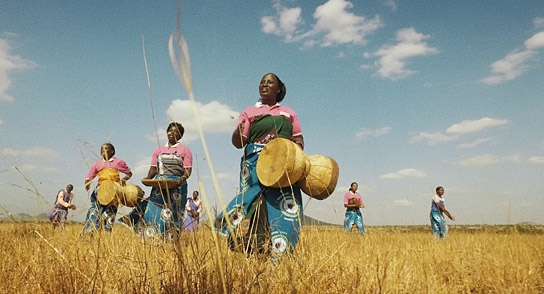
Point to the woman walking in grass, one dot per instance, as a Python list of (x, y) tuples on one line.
[(353, 202), (102, 215), (438, 209), (59, 213), (262, 219), (161, 214)]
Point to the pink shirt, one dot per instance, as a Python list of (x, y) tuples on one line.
[(259, 109), (174, 158), (115, 163), (350, 194)]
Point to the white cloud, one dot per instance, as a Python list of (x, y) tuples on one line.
[(334, 25), (472, 126), (214, 118), (43, 153), (515, 63), (8, 62), (535, 42), (488, 159), (366, 133), (473, 144), (538, 22), (404, 174), (537, 160), (432, 138), (393, 58), (284, 24), (341, 26), (456, 130)]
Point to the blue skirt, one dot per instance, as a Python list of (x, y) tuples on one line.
[(99, 216), (261, 219)]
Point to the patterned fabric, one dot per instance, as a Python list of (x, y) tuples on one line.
[(354, 217), (438, 222), (261, 219), (163, 212), (99, 216)]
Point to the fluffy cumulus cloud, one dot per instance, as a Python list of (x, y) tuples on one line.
[(334, 25), (393, 58), (9, 62), (342, 27), (404, 174), (456, 130), (214, 117), (517, 62), (366, 133), (284, 23)]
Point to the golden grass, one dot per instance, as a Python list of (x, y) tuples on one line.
[(37, 259)]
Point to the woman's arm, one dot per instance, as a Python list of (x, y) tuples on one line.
[(60, 200), (299, 140), (152, 172), (238, 139), (442, 208), (126, 178), (186, 174)]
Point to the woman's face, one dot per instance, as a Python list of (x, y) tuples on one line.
[(440, 192), (269, 88), (107, 152), (354, 187), (173, 135)]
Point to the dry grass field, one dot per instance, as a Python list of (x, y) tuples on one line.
[(37, 259)]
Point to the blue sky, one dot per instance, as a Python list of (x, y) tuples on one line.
[(404, 95)]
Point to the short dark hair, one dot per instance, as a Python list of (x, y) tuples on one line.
[(178, 126), (354, 183)]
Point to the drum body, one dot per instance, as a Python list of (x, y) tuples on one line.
[(281, 163), (322, 177), (109, 193), (131, 195), (160, 183)]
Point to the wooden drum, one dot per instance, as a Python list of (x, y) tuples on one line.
[(109, 192), (160, 183), (131, 194), (281, 163), (322, 177)]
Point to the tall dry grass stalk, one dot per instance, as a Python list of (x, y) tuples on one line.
[(328, 260)]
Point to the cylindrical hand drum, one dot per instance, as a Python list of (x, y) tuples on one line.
[(109, 193), (281, 163), (131, 194), (321, 180)]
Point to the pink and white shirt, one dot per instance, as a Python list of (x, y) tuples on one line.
[(259, 109)]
